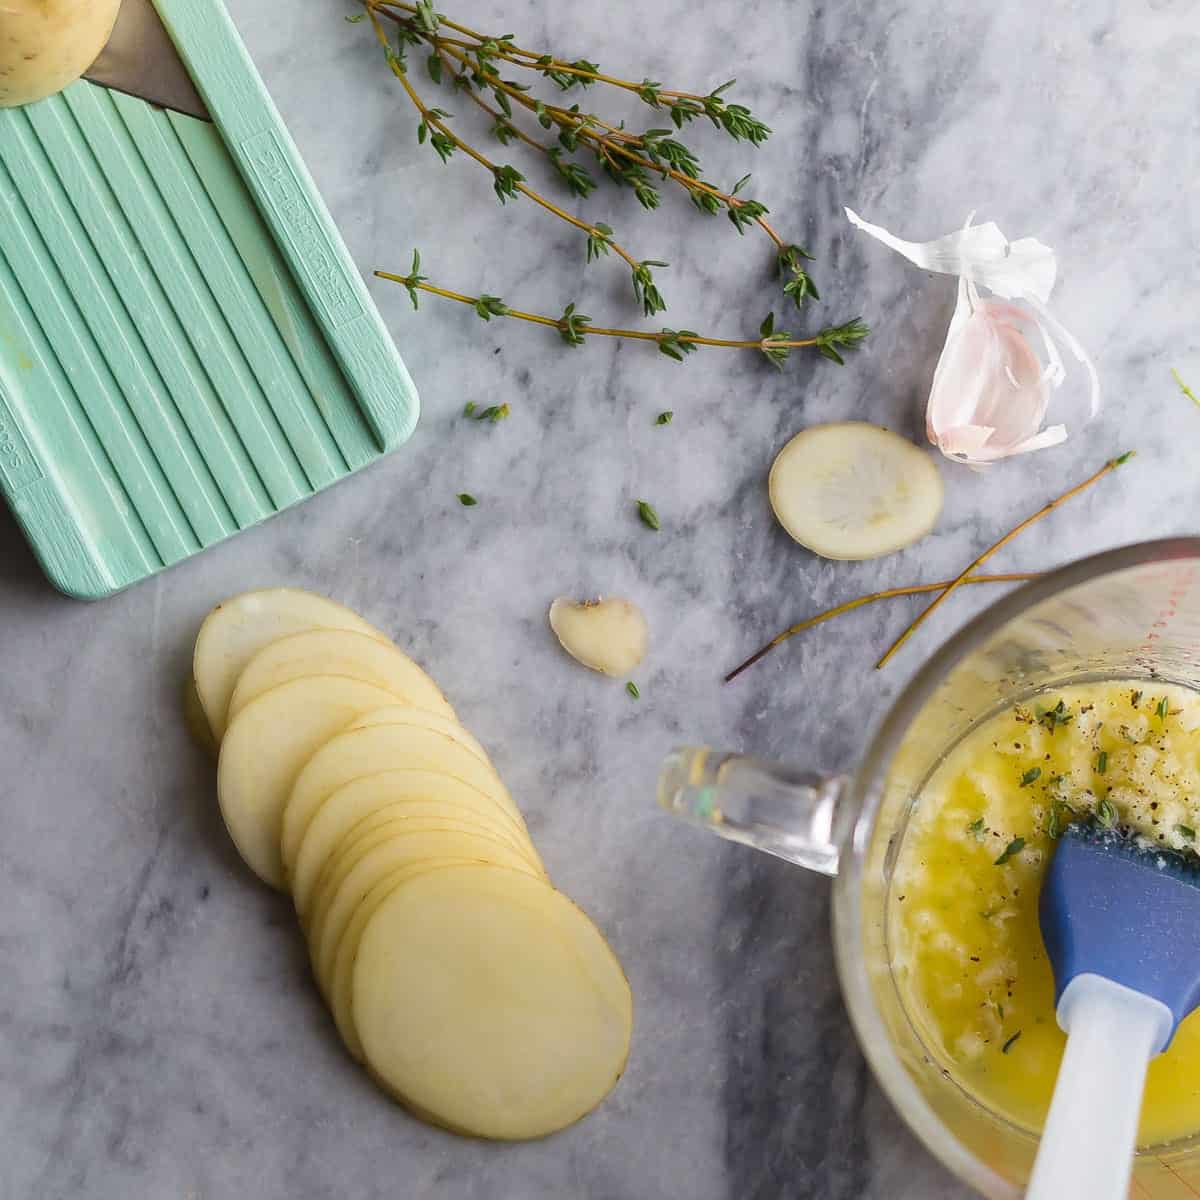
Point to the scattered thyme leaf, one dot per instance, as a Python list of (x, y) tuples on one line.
[(467, 500), (976, 827), (648, 515), (1031, 776), (1106, 814), (664, 418), (1186, 831), (1010, 1043), (493, 413), (1052, 718), (1013, 847), (632, 689), (1163, 708), (1102, 762)]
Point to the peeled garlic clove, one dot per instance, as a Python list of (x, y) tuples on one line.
[(606, 635)]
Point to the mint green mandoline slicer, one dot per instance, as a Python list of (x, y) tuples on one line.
[(186, 346)]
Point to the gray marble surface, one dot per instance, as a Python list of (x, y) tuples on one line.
[(158, 1033)]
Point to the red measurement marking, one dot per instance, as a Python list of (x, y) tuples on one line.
[(1181, 584)]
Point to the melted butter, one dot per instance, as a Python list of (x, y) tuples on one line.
[(966, 946)]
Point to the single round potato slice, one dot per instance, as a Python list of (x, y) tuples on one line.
[(264, 749), (235, 631), (855, 491), (338, 652), (421, 751), (399, 847), (342, 761), (336, 985), (489, 1000)]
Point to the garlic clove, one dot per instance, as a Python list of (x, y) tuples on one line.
[(990, 391), (607, 635)]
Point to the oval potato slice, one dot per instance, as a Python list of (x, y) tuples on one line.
[(336, 985), (338, 652), (236, 630), (264, 749), (851, 490), (398, 848), (489, 1000), (343, 760)]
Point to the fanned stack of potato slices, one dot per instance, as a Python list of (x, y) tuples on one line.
[(475, 993)]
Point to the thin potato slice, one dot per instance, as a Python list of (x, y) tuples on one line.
[(351, 757), (490, 1001), (338, 652), (195, 720), (235, 631), (393, 796), (264, 749), (335, 985), (425, 753), (854, 491), (398, 848)]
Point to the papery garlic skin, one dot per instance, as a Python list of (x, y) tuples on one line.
[(991, 391)]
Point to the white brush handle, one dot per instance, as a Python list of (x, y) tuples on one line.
[(1087, 1146)]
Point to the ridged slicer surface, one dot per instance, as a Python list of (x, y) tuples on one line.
[(184, 346)]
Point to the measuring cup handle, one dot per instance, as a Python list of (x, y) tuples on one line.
[(797, 815)]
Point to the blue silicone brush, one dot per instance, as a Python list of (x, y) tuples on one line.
[(1121, 923)]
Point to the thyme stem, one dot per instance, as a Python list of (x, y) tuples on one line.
[(850, 605), (641, 335), (1045, 510)]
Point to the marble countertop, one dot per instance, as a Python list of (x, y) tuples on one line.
[(158, 1033)]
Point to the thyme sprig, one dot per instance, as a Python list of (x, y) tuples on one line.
[(471, 63), (575, 327), (507, 181)]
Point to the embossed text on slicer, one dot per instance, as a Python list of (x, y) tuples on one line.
[(18, 468), (297, 223)]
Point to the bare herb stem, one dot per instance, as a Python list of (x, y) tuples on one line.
[(850, 605), (1045, 510)]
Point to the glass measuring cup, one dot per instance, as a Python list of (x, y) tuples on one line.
[(1132, 613)]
